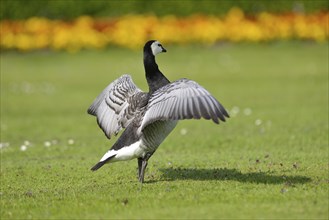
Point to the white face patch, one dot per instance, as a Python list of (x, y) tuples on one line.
[(156, 48)]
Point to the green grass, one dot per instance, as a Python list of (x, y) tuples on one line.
[(272, 163)]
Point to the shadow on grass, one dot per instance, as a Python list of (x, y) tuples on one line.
[(230, 174)]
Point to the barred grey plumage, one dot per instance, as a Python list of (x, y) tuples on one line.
[(149, 117), (182, 99), (155, 133), (115, 107)]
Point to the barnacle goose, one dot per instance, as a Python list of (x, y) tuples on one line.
[(149, 117)]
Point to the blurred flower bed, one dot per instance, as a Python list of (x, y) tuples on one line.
[(132, 31)]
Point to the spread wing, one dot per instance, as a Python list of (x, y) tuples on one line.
[(183, 99), (116, 105)]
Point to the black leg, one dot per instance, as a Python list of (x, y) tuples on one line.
[(139, 160), (142, 172), (142, 164)]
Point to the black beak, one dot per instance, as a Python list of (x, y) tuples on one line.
[(163, 49)]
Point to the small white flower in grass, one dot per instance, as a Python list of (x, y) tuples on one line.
[(70, 141), (234, 111), (258, 122), (27, 143), (183, 131), (247, 111), (47, 88), (262, 130), (27, 88), (23, 148), (3, 145), (47, 143)]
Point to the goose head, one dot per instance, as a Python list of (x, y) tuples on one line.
[(155, 79), (154, 47)]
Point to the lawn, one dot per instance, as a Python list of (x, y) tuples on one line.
[(269, 160)]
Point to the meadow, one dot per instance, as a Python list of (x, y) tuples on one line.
[(269, 160)]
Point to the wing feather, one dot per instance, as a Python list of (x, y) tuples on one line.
[(114, 107), (183, 99)]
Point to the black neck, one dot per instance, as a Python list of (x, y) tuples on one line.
[(155, 79)]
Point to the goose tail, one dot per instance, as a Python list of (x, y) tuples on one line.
[(97, 166), (103, 161)]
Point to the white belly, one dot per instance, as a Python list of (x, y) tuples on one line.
[(135, 150), (153, 136)]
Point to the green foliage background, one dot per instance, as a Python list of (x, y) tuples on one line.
[(68, 9)]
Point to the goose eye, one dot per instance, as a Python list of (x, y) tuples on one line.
[(159, 45)]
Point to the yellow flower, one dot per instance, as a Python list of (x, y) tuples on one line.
[(132, 31)]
